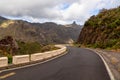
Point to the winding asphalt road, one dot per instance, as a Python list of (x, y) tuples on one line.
[(77, 64)]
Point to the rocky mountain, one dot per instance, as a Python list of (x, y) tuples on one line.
[(48, 32), (102, 30)]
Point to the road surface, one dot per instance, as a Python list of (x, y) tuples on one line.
[(77, 64)]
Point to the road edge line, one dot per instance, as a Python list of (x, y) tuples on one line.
[(106, 65), (47, 60)]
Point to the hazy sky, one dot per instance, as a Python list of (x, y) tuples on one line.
[(60, 11)]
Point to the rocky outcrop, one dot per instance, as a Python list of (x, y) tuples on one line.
[(102, 30)]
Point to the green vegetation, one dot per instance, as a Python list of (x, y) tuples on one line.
[(27, 48), (108, 18), (34, 47), (102, 30), (9, 59)]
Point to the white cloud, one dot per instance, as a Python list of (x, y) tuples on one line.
[(60, 11)]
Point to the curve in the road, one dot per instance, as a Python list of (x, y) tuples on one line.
[(78, 64)]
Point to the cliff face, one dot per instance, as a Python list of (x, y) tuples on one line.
[(38, 32), (102, 30)]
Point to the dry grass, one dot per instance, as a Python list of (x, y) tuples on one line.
[(114, 60)]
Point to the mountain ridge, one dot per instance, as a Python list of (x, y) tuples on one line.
[(48, 32)]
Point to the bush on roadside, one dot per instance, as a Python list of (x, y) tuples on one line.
[(28, 48), (9, 59), (48, 48)]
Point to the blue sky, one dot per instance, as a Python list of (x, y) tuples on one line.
[(59, 11), (94, 12), (64, 6)]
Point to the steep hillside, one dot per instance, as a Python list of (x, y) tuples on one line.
[(102, 30), (35, 32)]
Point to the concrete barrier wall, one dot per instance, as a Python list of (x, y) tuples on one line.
[(49, 54), (37, 56), (59, 46), (54, 53), (60, 51), (21, 59), (3, 61)]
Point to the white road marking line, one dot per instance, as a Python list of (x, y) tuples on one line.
[(106, 65)]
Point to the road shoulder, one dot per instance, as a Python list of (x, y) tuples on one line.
[(111, 61)]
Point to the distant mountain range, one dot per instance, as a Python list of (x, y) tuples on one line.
[(43, 33)]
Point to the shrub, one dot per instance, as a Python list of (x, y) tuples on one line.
[(48, 48), (112, 25), (116, 46), (9, 59), (29, 48), (111, 43), (117, 22)]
